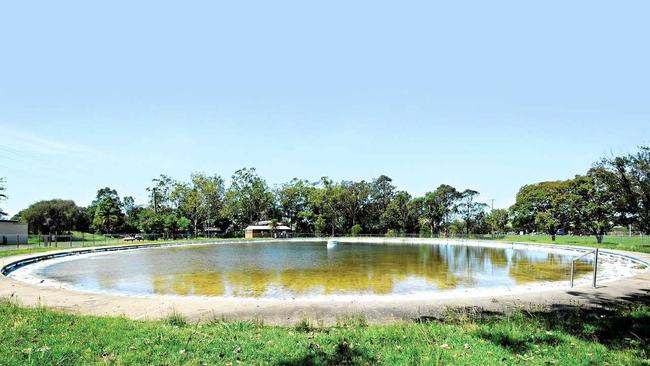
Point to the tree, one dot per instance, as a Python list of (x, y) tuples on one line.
[(83, 220), (160, 193), (131, 214), (201, 200), (354, 197), (399, 213), (541, 207), (472, 212), (326, 203), (248, 199), (150, 221), (498, 220), (293, 201), (546, 222), (128, 205), (319, 225), (381, 193), (184, 224), (108, 215), (628, 178), (591, 204), (51, 217), (438, 207), (3, 196)]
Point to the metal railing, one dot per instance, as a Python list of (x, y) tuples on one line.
[(573, 265)]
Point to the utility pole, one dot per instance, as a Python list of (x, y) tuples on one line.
[(155, 200), (492, 199)]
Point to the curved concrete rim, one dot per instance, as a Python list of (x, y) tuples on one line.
[(375, 309)]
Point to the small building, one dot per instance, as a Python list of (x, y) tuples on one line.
[(264, 229), (13, 232)]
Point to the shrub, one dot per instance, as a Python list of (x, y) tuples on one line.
[(355, 230)]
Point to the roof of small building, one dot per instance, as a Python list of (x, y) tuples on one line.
[(266, 227)]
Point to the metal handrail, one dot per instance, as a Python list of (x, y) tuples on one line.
[(573, 265)]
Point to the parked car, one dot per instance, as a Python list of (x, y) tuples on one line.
[(560, 232), (133, 238)]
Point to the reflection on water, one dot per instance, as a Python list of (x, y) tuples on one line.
[(300, 269)]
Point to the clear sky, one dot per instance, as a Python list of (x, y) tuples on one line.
[(488, 95)]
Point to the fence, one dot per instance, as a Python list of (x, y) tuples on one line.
[(12, 242)]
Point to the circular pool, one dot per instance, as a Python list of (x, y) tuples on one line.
[(314, 269)]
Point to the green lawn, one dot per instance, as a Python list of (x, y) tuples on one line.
[(79, 244), (567, 337), (633, 244)]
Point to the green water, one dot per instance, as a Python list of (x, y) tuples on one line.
[(285, 270)]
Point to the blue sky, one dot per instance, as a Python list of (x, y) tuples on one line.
[(482, 95)]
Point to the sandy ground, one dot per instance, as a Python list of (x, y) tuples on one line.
[(329, 310)]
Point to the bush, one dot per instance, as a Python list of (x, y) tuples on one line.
[(355, 230), (391, 233)]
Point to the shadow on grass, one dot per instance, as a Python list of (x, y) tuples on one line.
[(344, 354), (619, 324), (519, 344)]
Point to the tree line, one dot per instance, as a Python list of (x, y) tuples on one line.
[(615, 191)]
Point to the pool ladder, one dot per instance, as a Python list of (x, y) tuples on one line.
[(573, 265)]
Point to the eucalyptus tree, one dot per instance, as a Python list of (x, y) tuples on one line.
[(327, 204), (354, 200), (469, 210), (131, 214), (438, 208), (293, 202), (160, 193), (201, 200), (399, 213), (248, 199), (382, 192)]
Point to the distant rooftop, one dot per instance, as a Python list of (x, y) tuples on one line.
[(266, 225)]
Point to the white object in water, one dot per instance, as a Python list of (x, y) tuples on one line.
[(331, 243)]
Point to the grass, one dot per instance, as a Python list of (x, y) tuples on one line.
[(76, 236), (633, 244), (79, 244), (574, 336)]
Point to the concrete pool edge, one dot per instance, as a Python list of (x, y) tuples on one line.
[(291, 311)]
